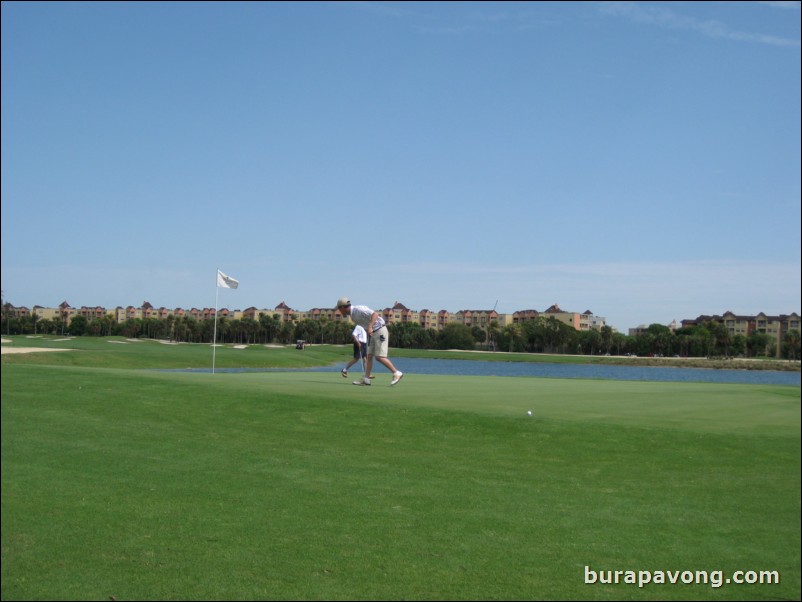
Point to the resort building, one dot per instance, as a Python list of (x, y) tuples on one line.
[(774, 326), (398, 313)]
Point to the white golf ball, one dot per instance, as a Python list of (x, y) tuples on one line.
[(529, 412)]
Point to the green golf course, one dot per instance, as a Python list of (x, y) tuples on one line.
[(122, 480)]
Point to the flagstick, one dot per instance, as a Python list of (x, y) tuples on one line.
[(214, 337), (224, 281)]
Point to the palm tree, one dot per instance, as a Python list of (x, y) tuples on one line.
[(607, 337), (512, 332), (492, 334), (792, 344)]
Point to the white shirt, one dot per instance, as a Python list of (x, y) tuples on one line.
[(360, 334), (361, 315)]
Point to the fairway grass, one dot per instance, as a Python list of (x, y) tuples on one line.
[(143, 484)]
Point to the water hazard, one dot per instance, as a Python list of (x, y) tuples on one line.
[(546, 370)]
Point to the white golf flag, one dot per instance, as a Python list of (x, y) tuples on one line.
[(226, 281)]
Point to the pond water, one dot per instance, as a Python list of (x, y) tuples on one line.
[(545, 370), (610, 372)]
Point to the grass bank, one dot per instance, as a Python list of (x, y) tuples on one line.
[(148, 353)]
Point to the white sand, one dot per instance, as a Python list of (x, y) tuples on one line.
[(4, 349)]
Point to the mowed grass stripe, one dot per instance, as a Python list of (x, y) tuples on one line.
[(151, 485), (705, 407)]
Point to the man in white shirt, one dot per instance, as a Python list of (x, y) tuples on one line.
[(379, 342), (360, 348)]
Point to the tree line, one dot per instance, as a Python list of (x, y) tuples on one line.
[(542, 335)]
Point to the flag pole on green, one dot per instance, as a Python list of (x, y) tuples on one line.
[(223, 281)]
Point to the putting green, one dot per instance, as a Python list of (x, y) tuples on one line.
[(701, 407)]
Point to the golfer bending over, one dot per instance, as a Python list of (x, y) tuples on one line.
[(379, 341)]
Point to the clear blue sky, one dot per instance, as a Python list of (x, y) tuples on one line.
[(639, 160)]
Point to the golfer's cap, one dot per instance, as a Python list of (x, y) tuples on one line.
[(343, 301)]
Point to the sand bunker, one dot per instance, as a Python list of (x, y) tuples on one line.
[(4, 350), (7, 349)]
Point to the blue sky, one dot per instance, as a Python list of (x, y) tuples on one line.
[(638, 160)]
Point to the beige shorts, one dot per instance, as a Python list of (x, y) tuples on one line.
[(379, 343)]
